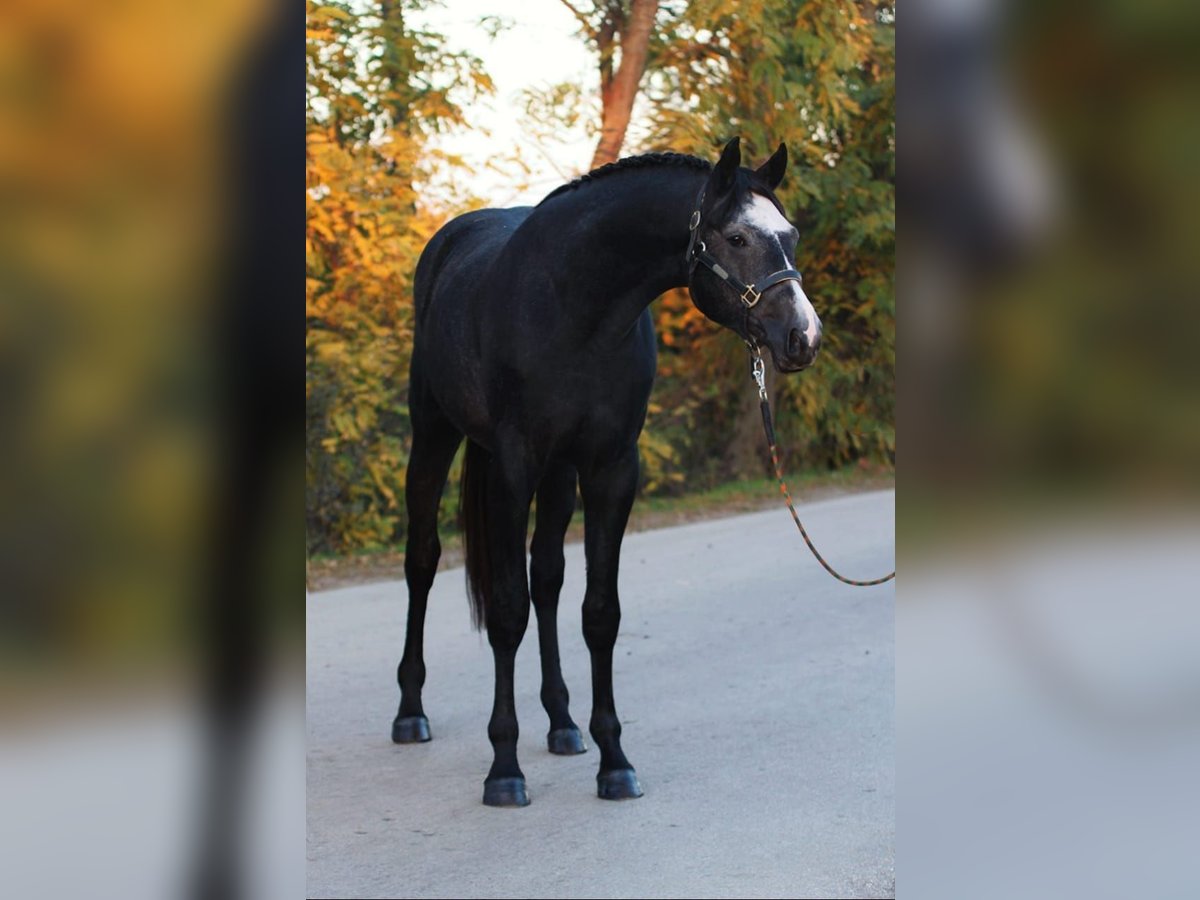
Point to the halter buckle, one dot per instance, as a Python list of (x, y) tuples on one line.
[(695, 220), (750, 296)]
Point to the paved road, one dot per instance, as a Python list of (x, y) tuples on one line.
[(756, 695)]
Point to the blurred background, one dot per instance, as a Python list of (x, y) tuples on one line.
[(1048, 685)]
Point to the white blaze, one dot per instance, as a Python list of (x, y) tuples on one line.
[(761, 215), (805, 308)]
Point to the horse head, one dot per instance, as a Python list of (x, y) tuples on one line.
[(741, 258)]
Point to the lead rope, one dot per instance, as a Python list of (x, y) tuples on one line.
[(758, 371)]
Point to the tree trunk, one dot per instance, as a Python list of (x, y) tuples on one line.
[(618, 90)]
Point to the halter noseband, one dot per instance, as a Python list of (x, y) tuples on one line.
[(749, 294)]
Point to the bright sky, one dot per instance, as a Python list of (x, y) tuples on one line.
[(541, 48)]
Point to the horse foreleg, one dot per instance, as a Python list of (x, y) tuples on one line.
[(608, 493), (509, 492), (555, 505)]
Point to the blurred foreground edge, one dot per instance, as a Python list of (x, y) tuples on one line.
[(153, 734), (243, 611), (1048, 687)]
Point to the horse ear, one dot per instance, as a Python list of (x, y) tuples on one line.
[(726, 167), (772, 170)]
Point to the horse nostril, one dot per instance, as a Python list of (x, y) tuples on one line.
[(795, 344)]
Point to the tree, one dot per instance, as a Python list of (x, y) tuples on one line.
[(620, 32)]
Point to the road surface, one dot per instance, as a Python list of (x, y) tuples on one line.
[(756, 695)]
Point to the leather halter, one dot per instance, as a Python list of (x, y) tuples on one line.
[(749, 294)]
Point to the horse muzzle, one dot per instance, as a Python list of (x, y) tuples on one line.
[(800, 351), (793, 347)]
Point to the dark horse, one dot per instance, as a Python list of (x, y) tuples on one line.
[(534, 341)]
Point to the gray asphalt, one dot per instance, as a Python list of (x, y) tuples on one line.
[(756, 695)]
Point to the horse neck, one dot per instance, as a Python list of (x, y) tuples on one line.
[(625, 239)]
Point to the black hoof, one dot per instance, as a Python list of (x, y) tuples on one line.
[(410, 730), (566, 742), (505, 792), (619, 784)]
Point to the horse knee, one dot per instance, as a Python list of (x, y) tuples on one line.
[(601, 620)]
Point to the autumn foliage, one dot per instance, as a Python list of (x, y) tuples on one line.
[(816, 75), (369, 109)]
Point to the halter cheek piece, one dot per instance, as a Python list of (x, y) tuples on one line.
[(750, 294)]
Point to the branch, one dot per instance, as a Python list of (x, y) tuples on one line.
[(536, 144), (621, 88), (588, 28), (605, 38), (635, 44)]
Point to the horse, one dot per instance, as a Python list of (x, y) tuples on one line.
[(533, 341)]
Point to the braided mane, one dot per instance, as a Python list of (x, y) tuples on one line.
[(645, 160)]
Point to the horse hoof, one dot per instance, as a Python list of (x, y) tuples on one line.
[(505, 792), (566, 741), (410, 730), (619, 784)]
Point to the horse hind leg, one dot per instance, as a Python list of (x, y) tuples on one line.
[(555, 505), (435, 441), (509, 490)]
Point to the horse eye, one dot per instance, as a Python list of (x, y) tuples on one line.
[(737, 240)]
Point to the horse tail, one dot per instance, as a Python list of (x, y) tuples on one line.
[(472, 520)]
